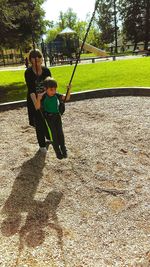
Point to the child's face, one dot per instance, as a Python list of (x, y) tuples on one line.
[(51, 91)]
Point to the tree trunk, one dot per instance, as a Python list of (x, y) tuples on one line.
[(147, 24), (135, 46), (116, 29)]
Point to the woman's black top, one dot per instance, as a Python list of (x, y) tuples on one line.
[(34, 84)]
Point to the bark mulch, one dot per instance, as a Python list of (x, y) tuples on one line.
[(90, 210)]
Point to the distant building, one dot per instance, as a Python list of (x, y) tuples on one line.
[(125, 46), (11, 57)]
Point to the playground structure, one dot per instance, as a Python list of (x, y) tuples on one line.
[(93, 49), (66, 46)]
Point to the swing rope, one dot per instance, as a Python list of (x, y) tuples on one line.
[(31, 8), (81, 49)]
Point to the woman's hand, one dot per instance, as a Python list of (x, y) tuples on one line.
[(38, 100), (40, 95)]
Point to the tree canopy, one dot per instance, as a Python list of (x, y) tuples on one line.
[(105, 21), (22, 19), (19, 20), (135, 17), (70, 19)]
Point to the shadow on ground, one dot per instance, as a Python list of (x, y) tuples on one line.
[(13, 92), (39, 213)]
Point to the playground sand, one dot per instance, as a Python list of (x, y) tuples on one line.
[(90, 210)]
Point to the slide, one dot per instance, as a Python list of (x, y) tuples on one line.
[(93, 49)]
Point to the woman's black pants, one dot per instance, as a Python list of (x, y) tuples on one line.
[(41, 129)]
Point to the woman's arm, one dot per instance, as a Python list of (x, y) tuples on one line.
[(37, 100)]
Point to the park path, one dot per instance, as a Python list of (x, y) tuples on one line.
[(22, 67)]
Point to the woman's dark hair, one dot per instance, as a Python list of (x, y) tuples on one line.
[(50, 83), (35, 53)]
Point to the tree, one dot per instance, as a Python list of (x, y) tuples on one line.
[(51, 34), (136, 20), (94, 37), (26, 17), (115, 25), (6, 21), (80, 28), (146, 20), (107, 21), (132, 21), (67, 19)]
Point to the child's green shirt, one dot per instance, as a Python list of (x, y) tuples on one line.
[(51, 104)]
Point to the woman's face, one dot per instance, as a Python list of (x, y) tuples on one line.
[(36, 61)]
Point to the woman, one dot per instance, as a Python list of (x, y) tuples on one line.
[(34, 77)]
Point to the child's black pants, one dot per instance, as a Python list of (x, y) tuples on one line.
[(55, 124)]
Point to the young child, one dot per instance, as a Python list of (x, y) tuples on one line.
[(50, 105)]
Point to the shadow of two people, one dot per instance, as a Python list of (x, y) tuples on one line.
[(39, 213)]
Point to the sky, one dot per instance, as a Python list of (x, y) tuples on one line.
[(80, 7)]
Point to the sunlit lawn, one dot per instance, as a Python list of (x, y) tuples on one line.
[(106, 74)]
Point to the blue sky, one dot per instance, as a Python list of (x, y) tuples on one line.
[(81, 7)]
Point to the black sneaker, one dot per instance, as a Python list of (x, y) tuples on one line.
[(59, 155), (65, 155), (58, 152), (64, 152)]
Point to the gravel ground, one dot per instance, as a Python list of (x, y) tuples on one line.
[(90, 210)]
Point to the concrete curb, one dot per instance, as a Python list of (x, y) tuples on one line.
[(98, 93)]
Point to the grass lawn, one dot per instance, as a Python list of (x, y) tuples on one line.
[(88, 55), (121, 73)]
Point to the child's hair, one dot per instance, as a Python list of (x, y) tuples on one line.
[(35, 53), (50, 83)]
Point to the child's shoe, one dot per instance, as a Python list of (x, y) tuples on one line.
[(58, 152), (59, 155), (64, 152)]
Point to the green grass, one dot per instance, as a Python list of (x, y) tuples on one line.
[(88, 55), (121, 73)]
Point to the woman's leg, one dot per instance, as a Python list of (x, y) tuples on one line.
[(40, 129)]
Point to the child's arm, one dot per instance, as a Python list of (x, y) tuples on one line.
[(68, 95), (37, 100)]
